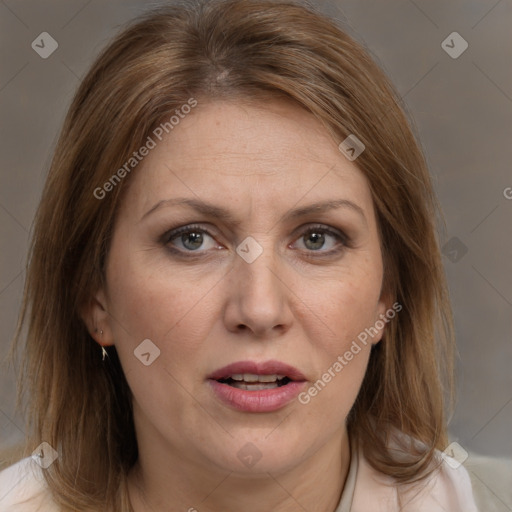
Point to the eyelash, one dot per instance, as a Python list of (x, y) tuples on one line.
[(341, 237)]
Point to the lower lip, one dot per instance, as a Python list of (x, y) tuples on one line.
[(264, 400)]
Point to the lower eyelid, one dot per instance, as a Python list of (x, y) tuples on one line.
[(169, 236)]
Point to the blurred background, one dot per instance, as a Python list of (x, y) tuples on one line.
[(451, 64)]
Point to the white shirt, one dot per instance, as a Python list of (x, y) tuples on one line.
[(448, 489), (23, 489)]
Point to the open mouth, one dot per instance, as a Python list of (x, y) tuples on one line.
[(260, 387), (253, 382)]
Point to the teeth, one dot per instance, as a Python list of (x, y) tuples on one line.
[(251, 377), (254, 387)]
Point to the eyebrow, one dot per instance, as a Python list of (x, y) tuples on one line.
[(219, 212), (324, 206), (203, 207)]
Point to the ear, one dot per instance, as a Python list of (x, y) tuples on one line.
[(385, 311), (98, 320)]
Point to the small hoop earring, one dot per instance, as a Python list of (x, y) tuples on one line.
[(104, 353)]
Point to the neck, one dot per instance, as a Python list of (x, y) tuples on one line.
[(315, 484)]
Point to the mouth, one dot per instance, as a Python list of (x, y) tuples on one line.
[(254, 382), (257, 387)]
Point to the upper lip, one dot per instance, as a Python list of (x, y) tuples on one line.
[(257, 368)]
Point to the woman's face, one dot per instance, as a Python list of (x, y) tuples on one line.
[(276, 269)]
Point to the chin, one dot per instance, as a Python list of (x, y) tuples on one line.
[(252, 455)]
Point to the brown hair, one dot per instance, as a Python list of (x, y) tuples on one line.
[(245, 49)]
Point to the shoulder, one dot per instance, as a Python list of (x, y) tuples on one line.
[(23, 489), (448, 487)]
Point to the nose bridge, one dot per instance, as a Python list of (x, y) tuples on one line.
[(258, 297), (258, 265)]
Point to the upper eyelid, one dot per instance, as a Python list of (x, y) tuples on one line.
[(173, 233), (301, 230), (321, 227), (337, 233)]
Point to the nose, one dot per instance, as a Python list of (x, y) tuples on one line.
[(258, 297)]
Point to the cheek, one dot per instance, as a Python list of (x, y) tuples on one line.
[(148, 302), (346, 309), (343, 350), (346, 306)]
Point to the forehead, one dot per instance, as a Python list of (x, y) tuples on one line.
[(246, 152)]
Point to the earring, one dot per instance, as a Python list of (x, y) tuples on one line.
[(104, 353)]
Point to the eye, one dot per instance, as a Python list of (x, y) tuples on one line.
[(321, 239), (190, 239)]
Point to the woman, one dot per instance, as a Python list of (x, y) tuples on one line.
[(235, 297)]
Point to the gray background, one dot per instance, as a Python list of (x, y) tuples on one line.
[(462, 111)]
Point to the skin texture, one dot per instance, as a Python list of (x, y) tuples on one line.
[(294, 303)]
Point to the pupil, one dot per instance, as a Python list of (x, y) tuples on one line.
[(195, 238), (318, 240)]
